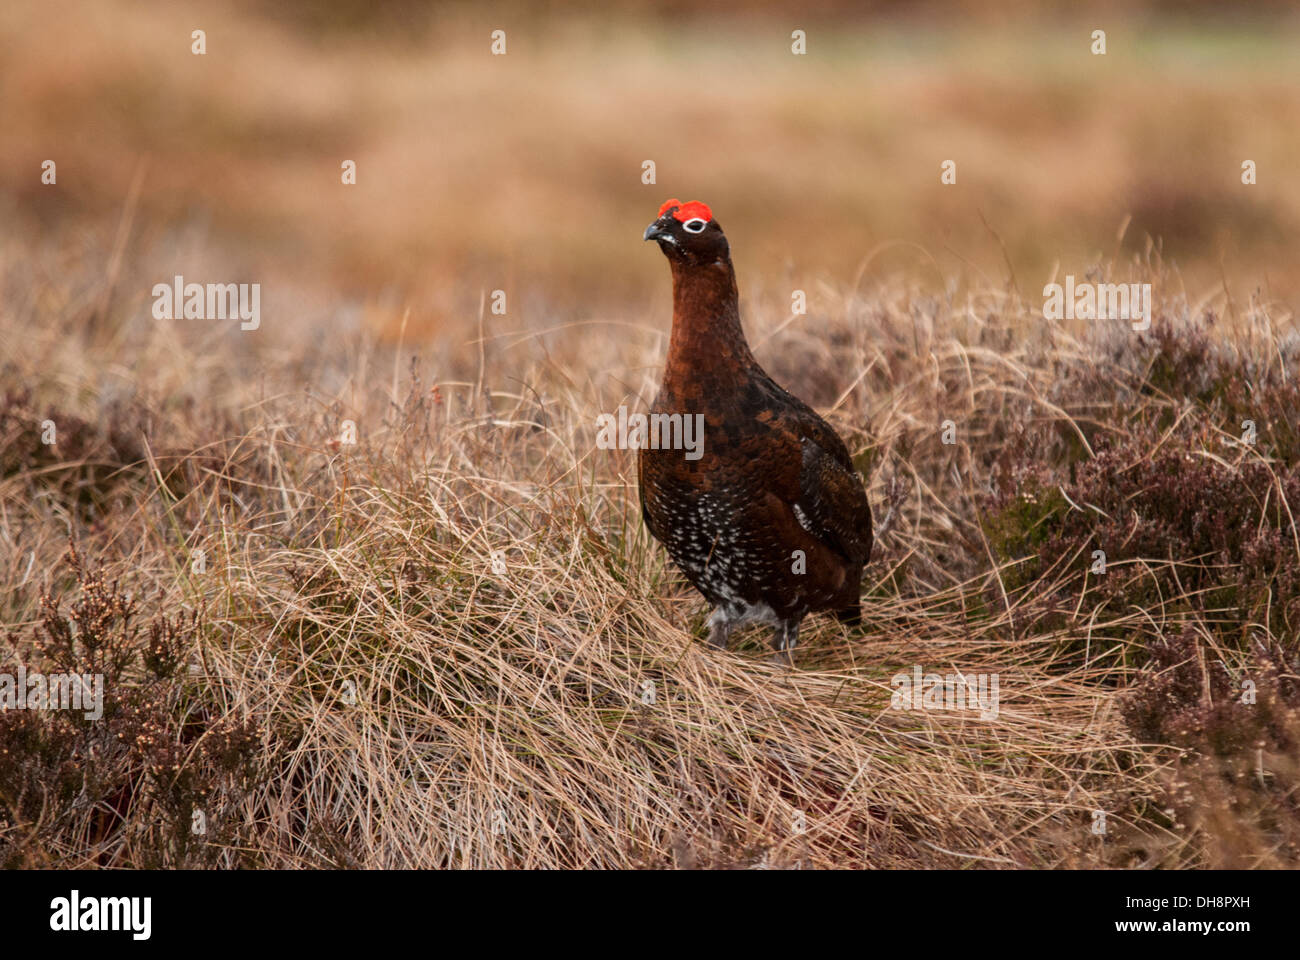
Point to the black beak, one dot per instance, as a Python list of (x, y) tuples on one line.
[(654, 231)]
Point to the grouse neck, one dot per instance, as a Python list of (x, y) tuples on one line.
[(706, 317)]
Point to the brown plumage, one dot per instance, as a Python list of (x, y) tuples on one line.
[(772, 521)]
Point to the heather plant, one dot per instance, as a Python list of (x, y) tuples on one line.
[(1188, 519), (79, 460), (128, 785), (1195, 529), (1236, 730)]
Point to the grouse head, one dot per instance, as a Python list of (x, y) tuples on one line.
[(688, 234)]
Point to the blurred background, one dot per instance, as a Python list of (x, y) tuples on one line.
[(524, 172)]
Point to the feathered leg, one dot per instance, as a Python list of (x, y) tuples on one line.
[(719, 629), (784, 639)]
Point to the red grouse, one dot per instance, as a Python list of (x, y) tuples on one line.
[(770, 521)]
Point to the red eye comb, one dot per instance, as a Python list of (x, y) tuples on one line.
[(687, 211), (693, 211)]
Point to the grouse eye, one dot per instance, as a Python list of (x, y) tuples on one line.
[(695, 225)]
